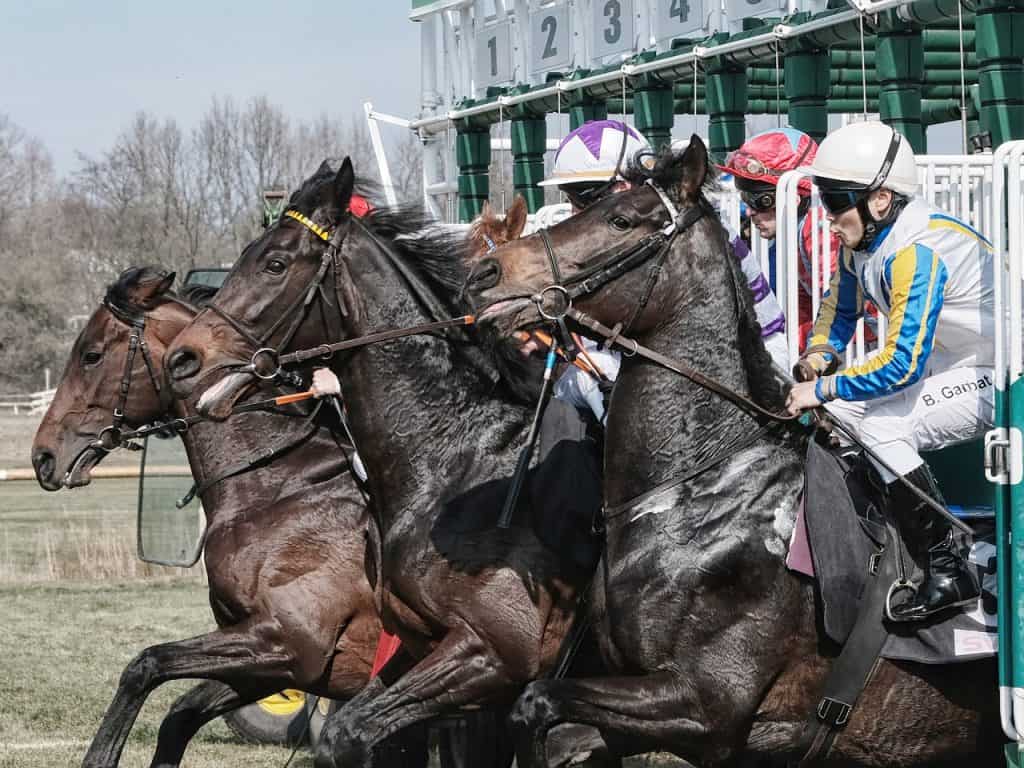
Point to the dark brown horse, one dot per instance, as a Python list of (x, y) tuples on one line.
[(480, 611), (713, 642), (284, 546)]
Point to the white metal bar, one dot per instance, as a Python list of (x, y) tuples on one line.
[(382, 158)]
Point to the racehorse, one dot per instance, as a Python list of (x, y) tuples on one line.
[(285, 539), (480, 610), (712, 643)]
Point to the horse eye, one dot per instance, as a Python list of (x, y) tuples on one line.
[(275, 267), (620, 223), (91, 358)]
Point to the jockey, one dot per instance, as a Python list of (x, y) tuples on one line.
[(931, 385), (588, 167), (756, 167)]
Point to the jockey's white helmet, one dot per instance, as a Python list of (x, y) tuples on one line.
[(595, 152), (867, 155)]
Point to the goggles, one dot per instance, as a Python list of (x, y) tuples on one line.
[(759, 202), (585, 195), (837, 201)]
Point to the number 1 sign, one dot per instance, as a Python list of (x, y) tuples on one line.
[(493, 55)]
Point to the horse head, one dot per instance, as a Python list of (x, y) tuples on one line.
[(113, 377), (608, 243), (267, 297)]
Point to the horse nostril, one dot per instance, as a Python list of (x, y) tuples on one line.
[(44, 462), (183, 363), (486, 274)]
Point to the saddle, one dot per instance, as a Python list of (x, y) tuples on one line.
[(857, 555)]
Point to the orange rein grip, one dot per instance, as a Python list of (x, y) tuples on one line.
[(293, 398), (546, 339)]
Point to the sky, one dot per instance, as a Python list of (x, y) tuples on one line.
[(75, 73)]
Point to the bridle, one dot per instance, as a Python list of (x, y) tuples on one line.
[(265, 361), (614, 263), (112, 436)]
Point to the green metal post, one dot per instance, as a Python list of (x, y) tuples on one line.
[(652, 110), (999, 25), (806, 86), (473, 156), (583, 109), (529, 137), (726, 90), (899, 65)]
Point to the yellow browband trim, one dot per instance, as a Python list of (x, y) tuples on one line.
[(317, 230)]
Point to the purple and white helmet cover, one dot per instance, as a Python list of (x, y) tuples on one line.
[(591, 153)]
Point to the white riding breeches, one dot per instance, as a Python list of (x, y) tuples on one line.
[(943, 409), (778, 348)]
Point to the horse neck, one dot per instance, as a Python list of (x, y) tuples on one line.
[(420, 411), (662, 422), (214, 448)]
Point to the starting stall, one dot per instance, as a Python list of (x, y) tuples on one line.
[(504, 80)]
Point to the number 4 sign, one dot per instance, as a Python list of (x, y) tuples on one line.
[(679, 18), (550, 42)]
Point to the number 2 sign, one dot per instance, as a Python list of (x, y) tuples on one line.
[(613, 27), (550, 42)]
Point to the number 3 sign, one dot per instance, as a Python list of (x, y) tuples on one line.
[(613, 27)]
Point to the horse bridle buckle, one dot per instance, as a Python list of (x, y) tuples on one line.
[(538, 299), (274, 366)]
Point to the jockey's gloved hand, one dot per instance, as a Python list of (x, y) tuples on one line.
[(819, 360), (325, 383)]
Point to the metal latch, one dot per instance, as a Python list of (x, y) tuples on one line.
[(1004, 457)]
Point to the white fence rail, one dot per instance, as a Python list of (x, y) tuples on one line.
[(33, 403)]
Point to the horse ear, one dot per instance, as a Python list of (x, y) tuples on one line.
[(344, 182), (695, 169), (515, 219), (148, 291), (486, 213)]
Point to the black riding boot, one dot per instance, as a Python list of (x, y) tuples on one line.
[(949, 581)]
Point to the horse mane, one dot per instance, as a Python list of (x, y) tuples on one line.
[(437, 254), (666, 172)]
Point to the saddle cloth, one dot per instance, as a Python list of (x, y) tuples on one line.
[(838, 531)]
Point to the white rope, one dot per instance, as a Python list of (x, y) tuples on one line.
[(963, 78), (449, 196), (778, 90), (863, 68), (624, 101), (695, 96), (501, 155)]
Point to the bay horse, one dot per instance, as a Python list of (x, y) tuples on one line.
[(480, 610), (285, 539), (713, 646)]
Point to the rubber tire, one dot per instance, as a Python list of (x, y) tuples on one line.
[(476, 740), (256, 725), (318, 709)]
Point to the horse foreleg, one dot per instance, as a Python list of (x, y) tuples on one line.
[(236, 657), (461, 671), (646, 713), (192, 711)]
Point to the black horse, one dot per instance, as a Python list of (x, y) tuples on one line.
[(714, 645), (480, 611)]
